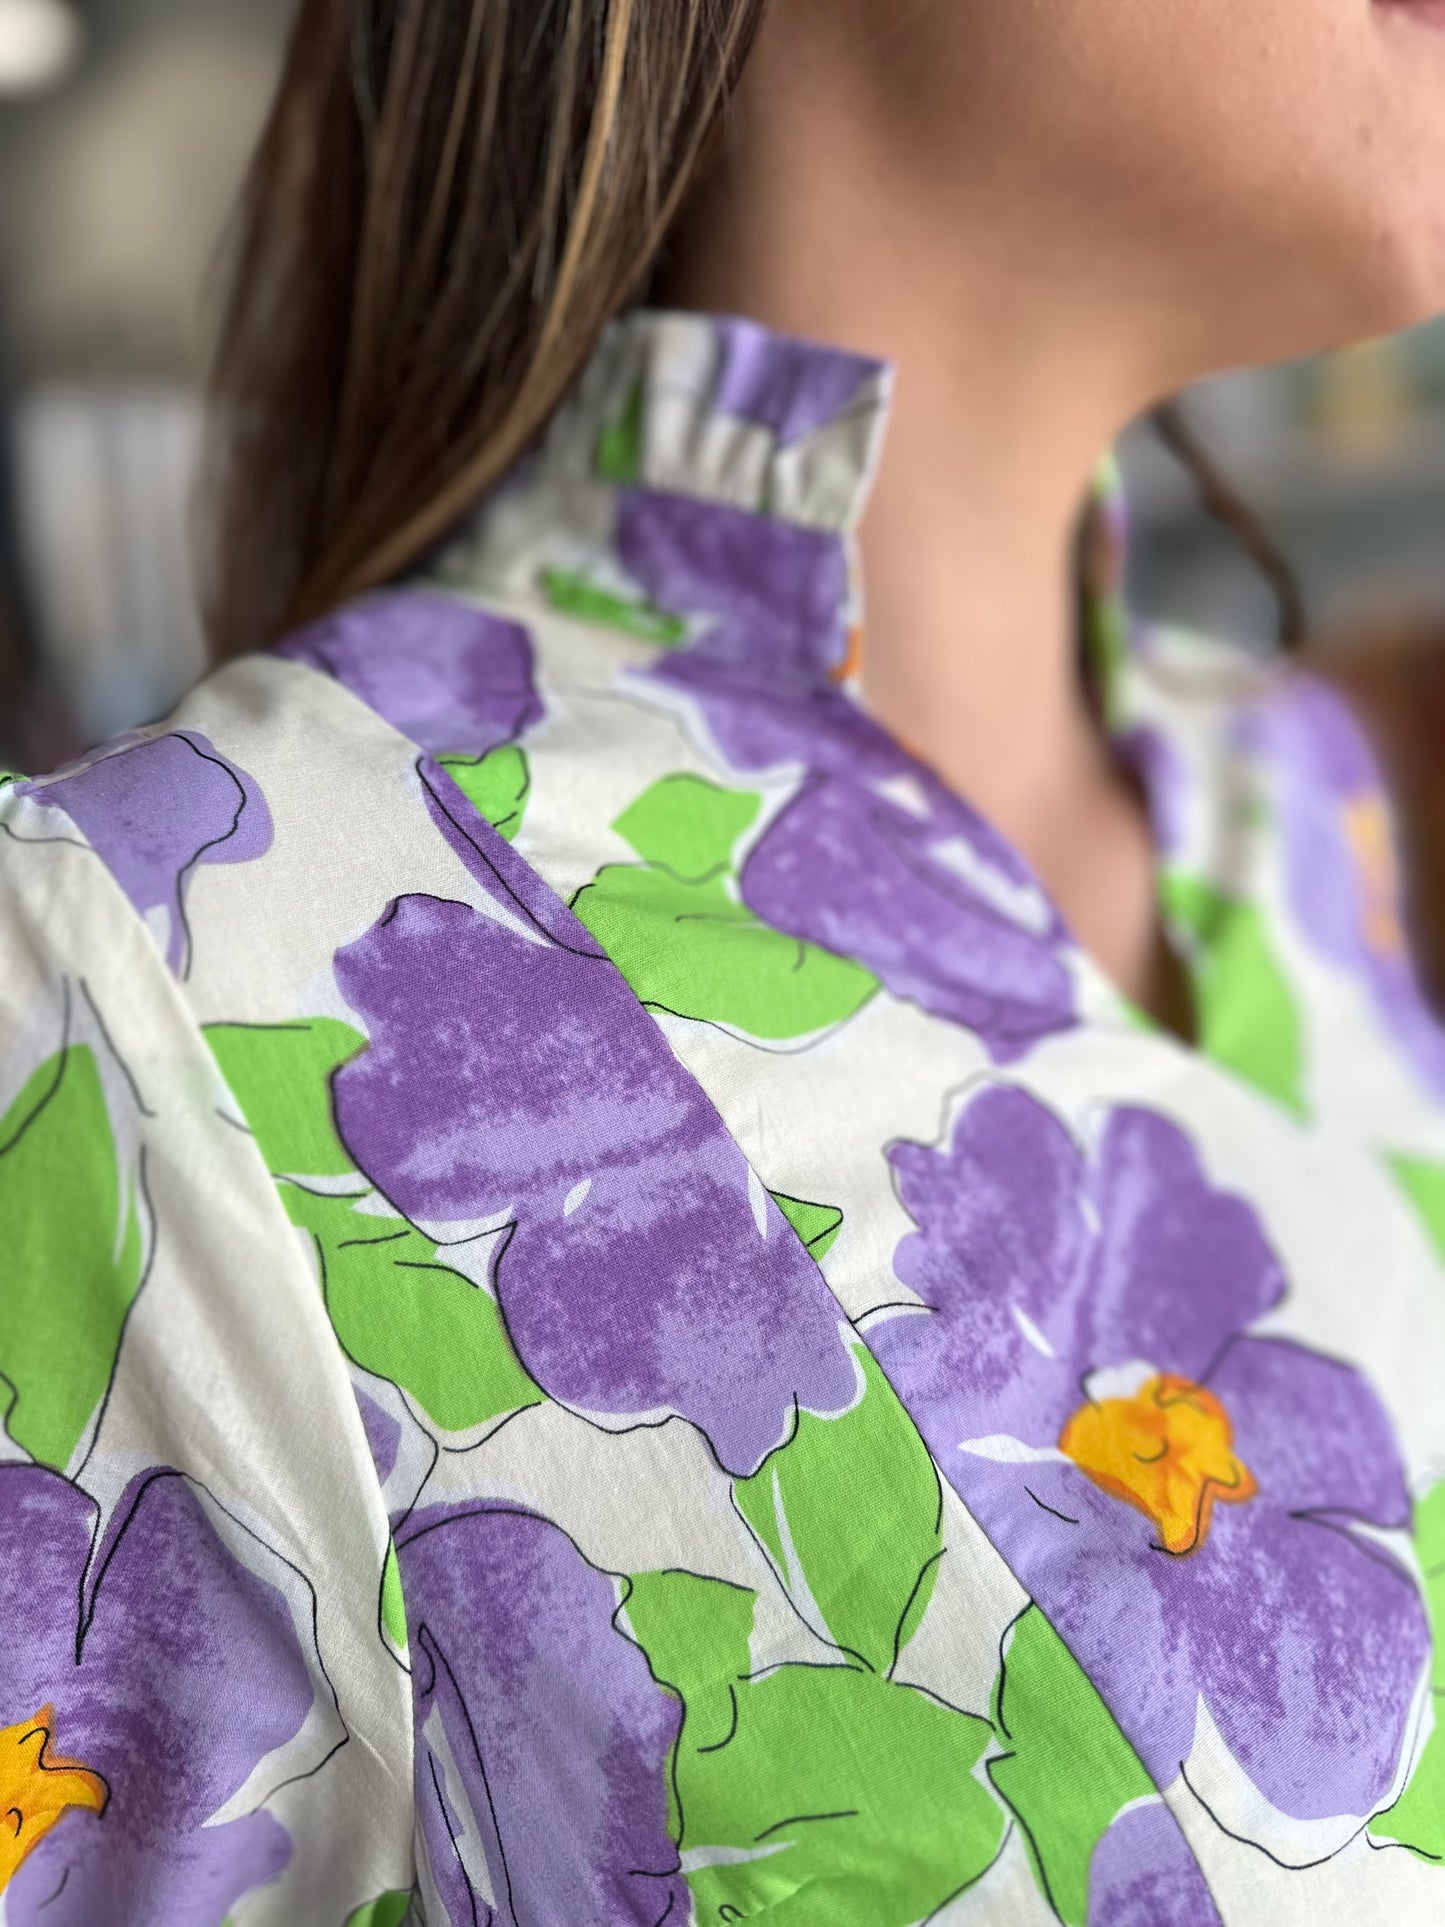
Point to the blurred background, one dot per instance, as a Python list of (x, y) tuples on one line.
[(124, 126)]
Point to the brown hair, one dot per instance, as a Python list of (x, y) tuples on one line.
[(450, 200)]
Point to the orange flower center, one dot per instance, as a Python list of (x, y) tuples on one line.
[(1167, 1449), (1367, 831), (36, 1788)]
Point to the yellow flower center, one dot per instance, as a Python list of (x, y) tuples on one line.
[(1367, 831), (1167, 1450), (36, 1788)]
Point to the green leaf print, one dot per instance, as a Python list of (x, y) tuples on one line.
[(280, 1075), (574, 595), (689, 826), (496, 785), (811, 1796), (1417, 1819), (695, 1633), (402, 1312), (619, 446), (395, 1304), (72, 1253), (817, 1225), (1424, 1185), (1247, 1015), (388, 1911), (850, 1512), (1051, 1718), (677, 928), (393, 1606)]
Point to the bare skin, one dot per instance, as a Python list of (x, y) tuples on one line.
[(1048, 214)]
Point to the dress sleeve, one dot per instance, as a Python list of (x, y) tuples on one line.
[(194, 1707)]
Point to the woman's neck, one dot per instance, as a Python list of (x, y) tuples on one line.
[(1011, 380)]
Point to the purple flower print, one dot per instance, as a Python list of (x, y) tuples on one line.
[(188, 1675), (1179, 1497), (648, 1273), (790, 386), (453, 678), (1164, 778), (531, 1705), (874, 859), (1142, 1874), (1340, 861), (155, 809)]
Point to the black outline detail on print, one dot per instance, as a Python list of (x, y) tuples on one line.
[(893, 1305), (428, 1426), (716, 1746), (785, 1666), (727, 868), (1204, 1501), (424, 1423), (834, 1230), (808, 1666), (60, 1057), (1036, 1859), (933, 1559), (140, 1202), (805, 1819), (436, 1657), (446, 1822), (47, 1736), (511, 897), (778, 1047), (524, 795), (64, 1882), (383, 1636), (42, 842), (126, 1072), (1008, 1832), (585, 1418), (996, 1714), (1417, 1750), (303, 1027), (323, 1278), (627, 1582), (150, 1233), (184, 873), (500, 1420), (388, 1238), (1329, 1519), (1054, 1513), (857, 1662), (501, 1424), (1243, 1840), (948, 1705), (1001, 1727), (626, 1588), (8, 1384), (87, 1618)]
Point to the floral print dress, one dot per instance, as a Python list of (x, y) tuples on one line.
[(603, 1319)]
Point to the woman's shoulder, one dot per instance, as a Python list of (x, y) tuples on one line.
[(318, 746)]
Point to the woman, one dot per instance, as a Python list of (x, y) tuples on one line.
[(662, 1266)]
